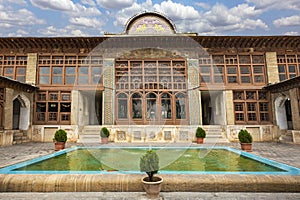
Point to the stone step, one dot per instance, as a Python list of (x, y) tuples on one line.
[(286, 136), (89, 138)]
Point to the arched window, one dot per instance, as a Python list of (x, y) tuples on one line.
[(151, 106), (166, 112), (122, 106), (180, 106), (137, 106)]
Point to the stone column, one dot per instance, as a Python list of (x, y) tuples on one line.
[(194, 94), (272, 67), (295, 108), (31, 69), (229, 107), (75, 107), (109, 92), (8, 108)]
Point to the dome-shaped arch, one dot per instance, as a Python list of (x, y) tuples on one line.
[(149, 23)]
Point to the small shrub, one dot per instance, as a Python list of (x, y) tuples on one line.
[(200, 133), (60, 136), (104, 133), (245, 136), (149, 163)]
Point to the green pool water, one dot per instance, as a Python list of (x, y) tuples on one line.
[(219, 160)]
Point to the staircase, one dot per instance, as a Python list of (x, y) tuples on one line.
[(20, 136), (90, 134), (214, 134), (286, 136)]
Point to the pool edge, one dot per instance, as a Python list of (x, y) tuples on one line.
[(132, 183)]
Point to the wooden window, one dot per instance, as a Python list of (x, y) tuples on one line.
[(70, 75), (251, 107), (151, 106), (57, 75), (53, 107), (232, 74), (151, 87), (205, 72), (288, 66), (83, 75), (9, 72), (137, 106), (44, 75), (219, 74), (70, 70), (96, 75), (21, 74), (166, 106), (122, 106), (180, 106), (245, 74)]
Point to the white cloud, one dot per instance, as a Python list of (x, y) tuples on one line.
[(19, 17), (287, 21), (205, 6), (173, 10), (62, 5), (123, 15), (66, 31), (88, 2), (86, 22), (66, 6), (115, 4), (18, 33), (276, 4), (177, 11), (291, 33), (19, 2)]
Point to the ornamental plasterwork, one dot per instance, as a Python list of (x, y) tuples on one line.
[(149, 25)]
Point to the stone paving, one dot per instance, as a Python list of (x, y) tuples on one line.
[(285, 153)]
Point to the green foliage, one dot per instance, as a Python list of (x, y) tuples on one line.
[(200, 133), (60, 136), (245, 136), (104, 133), (149, 163)]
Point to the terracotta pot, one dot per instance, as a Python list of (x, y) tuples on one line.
[(104, 140), (59, 145), (152, 188), (200, 140), (246, 146)]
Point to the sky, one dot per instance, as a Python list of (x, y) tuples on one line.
[(61, 18)]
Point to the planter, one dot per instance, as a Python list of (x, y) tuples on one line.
[(152, 188), (200, 140), (104, 140), (246, 146), (59, 145)]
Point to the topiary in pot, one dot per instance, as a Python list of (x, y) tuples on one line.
[(60, 138), (200, 135), (149, 163), (245, 139), (104, 134)]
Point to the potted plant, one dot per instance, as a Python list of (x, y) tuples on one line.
[(245, 139), (200, 135), (104, 134), (149, 163), (60, 138)]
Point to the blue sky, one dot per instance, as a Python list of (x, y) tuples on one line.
[(57, 18)]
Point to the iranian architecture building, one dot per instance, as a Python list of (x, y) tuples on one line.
[(149, 84)]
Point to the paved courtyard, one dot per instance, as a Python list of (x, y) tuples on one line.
[(285, 153)]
